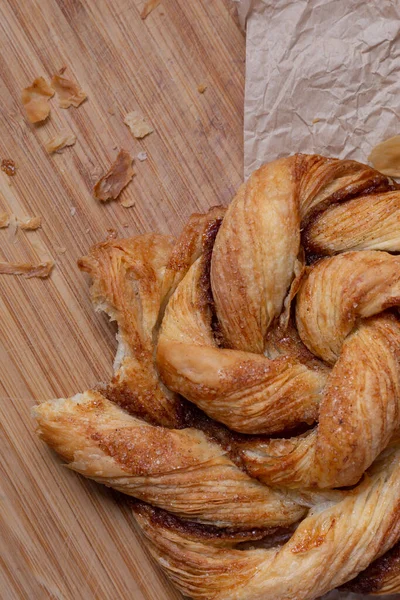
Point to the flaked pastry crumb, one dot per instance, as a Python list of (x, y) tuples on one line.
[(28, 270), (61, 140), (117, 177), (35, 98), (4, 220), (69, 93), (149, 7), (128, 203), (138, 125), (30, 223)]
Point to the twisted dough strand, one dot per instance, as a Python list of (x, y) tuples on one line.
[(328, 548), (178, 470)]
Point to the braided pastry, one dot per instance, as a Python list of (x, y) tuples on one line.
[(255, 407)]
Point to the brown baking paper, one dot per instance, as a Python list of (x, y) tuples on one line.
[(322, 76)]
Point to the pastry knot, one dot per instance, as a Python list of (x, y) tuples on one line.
[(254, 411)]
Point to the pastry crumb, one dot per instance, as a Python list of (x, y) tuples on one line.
[(316, 120), (138, 125), (111, 233), (385, 157), (30, 223), (201, 88), (142, 156), (27, 270), (35, 99), (4, 220), (61, 250), (128, 203), (9, 167), (72, 210), (148, 8), (111, 111), (117, 177), (13, 226), (61, 140), (69, 93)]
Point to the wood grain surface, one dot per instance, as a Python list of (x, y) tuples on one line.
[(64, 537)]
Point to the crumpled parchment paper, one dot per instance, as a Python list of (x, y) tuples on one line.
[(322, 76)]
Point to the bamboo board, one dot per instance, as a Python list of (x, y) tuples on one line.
[(64, 537)]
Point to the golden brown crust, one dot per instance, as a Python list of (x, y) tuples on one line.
[(178, 470), (330, 181), (261, 210), (326, 549), (127, 284), (363, 223), (295, 356)]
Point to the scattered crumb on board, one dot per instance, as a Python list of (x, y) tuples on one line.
[(117, 177), (30, 223), (72, 210), (28, 270), (316, 120), (149, 7), (61, 140), (69, 93), (9, 167), (142, 156), (4, 220), (35, 99), (201, 88), (138, 125), (127, 203), (27, 223)]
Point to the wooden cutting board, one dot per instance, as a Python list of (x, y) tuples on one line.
[(64, 537)]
